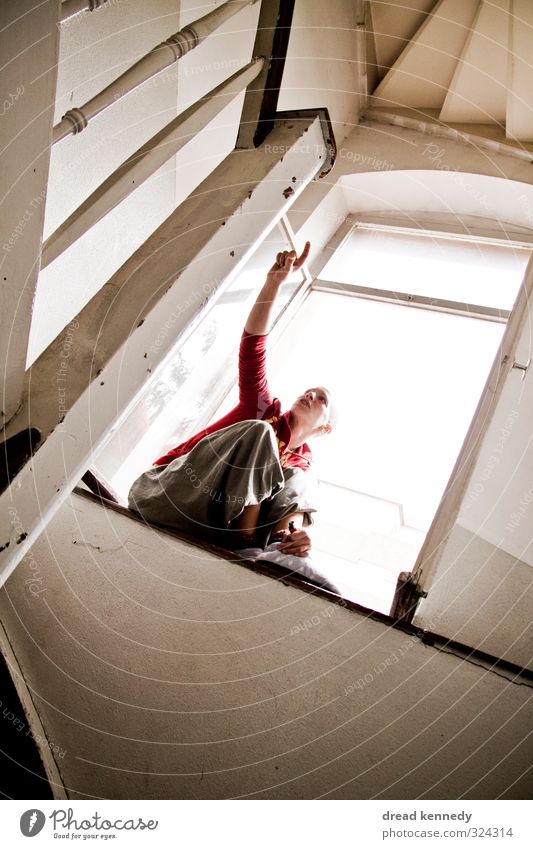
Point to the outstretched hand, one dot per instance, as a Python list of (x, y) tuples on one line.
[(287, 261), (259, 321)]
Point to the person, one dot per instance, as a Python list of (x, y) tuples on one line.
[(244, 480)]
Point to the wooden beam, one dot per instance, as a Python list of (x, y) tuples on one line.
[(406, 598), (99, 488), (261, 101), (86, 380)]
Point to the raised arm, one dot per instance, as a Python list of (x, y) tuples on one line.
[(259, 321)]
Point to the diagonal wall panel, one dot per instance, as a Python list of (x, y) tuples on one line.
[(478, 91), (422, 74), (394, 23)]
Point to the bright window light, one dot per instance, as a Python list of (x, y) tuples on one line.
[(447, 267)]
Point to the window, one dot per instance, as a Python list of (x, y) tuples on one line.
[(403, 328)]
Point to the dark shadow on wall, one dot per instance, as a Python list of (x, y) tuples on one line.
[(22, 774)]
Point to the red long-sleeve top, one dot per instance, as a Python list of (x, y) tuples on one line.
[(255, 402)]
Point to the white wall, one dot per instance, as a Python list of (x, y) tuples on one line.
[(321, 65), (483, 597), (160, 671), (221, 55)]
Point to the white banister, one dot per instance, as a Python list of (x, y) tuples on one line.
[(145, 161), (69, 8), (159, 58)]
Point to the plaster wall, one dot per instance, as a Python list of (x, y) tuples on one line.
[(225, 51), (162, 671), (482, 596)]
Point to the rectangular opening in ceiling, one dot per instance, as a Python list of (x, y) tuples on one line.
[(402, 326)]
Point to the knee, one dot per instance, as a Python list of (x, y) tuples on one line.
[(258, 426), (256, 430), (263, 433)]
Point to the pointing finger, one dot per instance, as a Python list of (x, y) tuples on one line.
[(303, 256)]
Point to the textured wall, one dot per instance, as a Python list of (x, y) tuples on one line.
[(483, 597), (161, 671)]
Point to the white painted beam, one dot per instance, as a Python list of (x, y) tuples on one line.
[(163, 55), (520, 85), (29, 50), (87, 378), (421, 75), (469, 134), (478, 90), (145, 161)]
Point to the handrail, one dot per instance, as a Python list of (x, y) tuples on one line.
[(159, 58), (146, 160)]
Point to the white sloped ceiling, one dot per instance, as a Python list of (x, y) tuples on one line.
[(470, 61)]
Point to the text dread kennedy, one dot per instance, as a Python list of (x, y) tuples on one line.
[(425, 815)]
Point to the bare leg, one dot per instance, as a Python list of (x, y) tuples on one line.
[(246, 522)]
